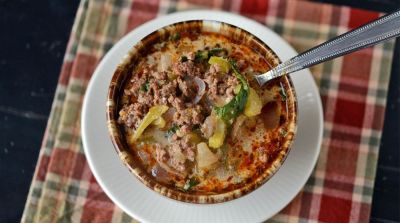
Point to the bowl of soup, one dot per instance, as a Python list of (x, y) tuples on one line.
[(188, 119)]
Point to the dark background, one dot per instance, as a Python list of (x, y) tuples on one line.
[(33, 40)]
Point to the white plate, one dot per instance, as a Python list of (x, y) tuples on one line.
[(148, 206)]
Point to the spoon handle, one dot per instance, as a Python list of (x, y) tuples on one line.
[(372, 33)]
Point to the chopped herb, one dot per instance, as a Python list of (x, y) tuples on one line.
[(190, 183), (235, 107), (145, 87), (283, 132), (176, 36), (184, 58), (171, 131), (201, 55), (282, 92), (215, 51)]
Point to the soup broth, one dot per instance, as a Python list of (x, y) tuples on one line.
[(196, 118)]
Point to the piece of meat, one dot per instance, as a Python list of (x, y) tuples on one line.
[(220, 87), (187, 68), (136, 86), (190, 154), (188, 118), (132, 114), (162, 159), (161, 154), (173, 159), (165, 91), (231, 83), (197, 115), (185, 129), (212, 80), (186, 146), (145, 99), (177, 103), (177, 159), (187, 87)]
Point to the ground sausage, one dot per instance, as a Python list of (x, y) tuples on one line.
[(149, 87)]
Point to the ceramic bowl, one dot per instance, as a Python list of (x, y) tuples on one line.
[(122, 73)]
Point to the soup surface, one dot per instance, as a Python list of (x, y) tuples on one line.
[(198, 121)]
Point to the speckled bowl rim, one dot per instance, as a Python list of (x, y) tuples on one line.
[(118, 138)]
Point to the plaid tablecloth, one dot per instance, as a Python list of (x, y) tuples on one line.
[(353, 90)]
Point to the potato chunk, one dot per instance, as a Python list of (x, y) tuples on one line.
[(205, 158)]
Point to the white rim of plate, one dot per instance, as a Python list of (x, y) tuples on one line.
[(256, 206)]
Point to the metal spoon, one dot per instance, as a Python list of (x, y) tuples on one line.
[(372, 33)]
